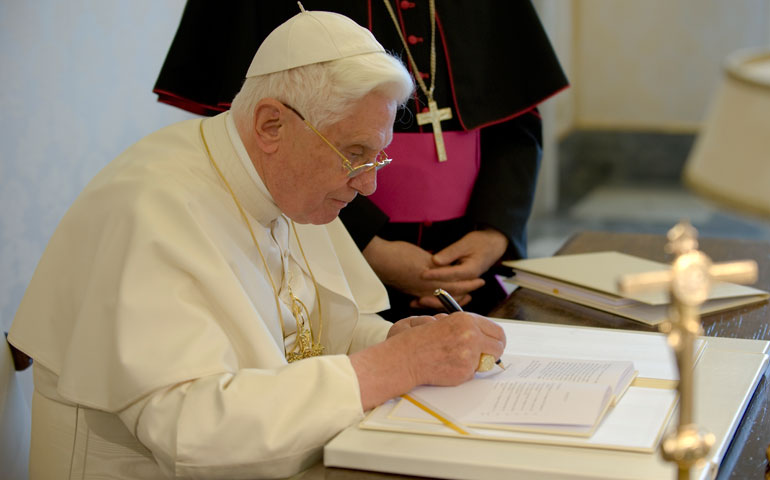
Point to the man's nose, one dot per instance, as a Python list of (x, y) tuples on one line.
[(365, 183)]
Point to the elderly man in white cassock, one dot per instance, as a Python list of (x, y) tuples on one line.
[(201, 312)]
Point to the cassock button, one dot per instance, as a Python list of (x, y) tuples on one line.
[(424, 75), (425, 109), (413, 39), (405, 4)]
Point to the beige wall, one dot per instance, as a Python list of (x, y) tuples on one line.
[(649, 65), (77, 79), (653, 64), (558, 112)]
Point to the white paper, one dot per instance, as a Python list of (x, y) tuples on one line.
[(636, 423)]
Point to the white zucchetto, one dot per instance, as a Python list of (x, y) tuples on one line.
[(311, 37)]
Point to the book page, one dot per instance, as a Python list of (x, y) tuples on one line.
[(616, 374), (635, 423), (650, 352), (541, 402), (534, 391)]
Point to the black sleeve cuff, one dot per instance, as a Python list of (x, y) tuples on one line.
[(505, 188)]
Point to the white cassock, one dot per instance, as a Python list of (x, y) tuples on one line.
[(154, 329)]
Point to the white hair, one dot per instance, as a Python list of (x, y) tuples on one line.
[(323, 92)]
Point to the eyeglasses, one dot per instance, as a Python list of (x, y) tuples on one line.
[(380, 160)]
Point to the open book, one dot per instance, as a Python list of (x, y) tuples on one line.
[(535, 394), (591, 279), (634, 423)]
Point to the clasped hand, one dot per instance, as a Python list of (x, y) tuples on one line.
[(457, 268)]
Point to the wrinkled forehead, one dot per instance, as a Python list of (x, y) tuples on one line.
[(368, 121)]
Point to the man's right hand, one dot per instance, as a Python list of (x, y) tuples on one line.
[(444, 351)]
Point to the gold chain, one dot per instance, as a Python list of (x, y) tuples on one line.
[(314, 347), (427, 91), (307, 344)]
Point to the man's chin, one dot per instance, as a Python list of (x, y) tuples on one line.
[(324, 218)]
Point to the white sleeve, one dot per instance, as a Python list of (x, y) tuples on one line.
[(370, 329), (251, 424)]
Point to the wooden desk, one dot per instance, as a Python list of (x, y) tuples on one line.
[(745, 458)]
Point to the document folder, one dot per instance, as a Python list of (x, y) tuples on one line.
[(590, 279)]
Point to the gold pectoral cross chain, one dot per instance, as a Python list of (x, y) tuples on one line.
[(434, 116)]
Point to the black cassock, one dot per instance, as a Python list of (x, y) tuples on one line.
[(494, 65)]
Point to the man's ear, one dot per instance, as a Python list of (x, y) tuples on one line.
[(268, 124)]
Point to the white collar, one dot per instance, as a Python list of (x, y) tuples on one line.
[(267, 210)]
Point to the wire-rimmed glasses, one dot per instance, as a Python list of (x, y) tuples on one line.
[(380, 160)]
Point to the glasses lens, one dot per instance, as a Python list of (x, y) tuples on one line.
[(380, 161), (356, 171)]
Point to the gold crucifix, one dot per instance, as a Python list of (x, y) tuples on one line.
[(434, 116), (688, 282)]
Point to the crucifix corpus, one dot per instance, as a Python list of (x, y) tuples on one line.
[(688, 282), (434, 116)]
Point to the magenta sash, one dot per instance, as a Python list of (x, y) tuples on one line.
[(416, 187)]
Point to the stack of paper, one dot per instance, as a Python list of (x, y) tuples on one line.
[(532, 393), (590, 279), (634, 423)]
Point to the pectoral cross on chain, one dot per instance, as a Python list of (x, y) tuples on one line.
[(434, 116), (688, 281)]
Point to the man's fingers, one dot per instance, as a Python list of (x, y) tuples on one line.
[(490, 328), (459, 289), (494, 348), (430, 301), (451, 273), (426, 302), (449, 254), (418, 320)]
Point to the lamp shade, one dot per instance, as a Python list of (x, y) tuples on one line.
[(730, 161)]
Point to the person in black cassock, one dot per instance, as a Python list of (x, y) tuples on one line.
[(436, 220)]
